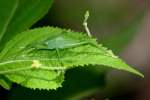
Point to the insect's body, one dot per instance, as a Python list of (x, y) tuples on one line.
[(59, 42), (62, 43), (64, 40)]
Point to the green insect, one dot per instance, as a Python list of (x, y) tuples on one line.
[(65, 40), (61, 41)]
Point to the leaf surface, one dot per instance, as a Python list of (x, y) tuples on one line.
[(35, 67), (19, 15), (4, 82)]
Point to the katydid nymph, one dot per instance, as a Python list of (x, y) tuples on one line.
[(59, 42), (63, 40)]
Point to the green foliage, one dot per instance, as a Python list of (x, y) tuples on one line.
[(42, 68), (17, 16), (4, 82), (39, 58)]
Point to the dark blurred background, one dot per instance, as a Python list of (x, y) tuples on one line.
[(121, 25)]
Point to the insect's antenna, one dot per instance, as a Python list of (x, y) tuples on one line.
[(86, 16)]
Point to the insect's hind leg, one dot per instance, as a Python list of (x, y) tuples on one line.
[(59, 59), (58, 55)]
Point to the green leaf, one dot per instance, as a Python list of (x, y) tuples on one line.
[(26, 62), (4, 82), (19, 15), (7, 11)]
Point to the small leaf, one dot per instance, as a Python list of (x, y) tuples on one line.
[(4, 82), (7, 11), (31, 59)]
